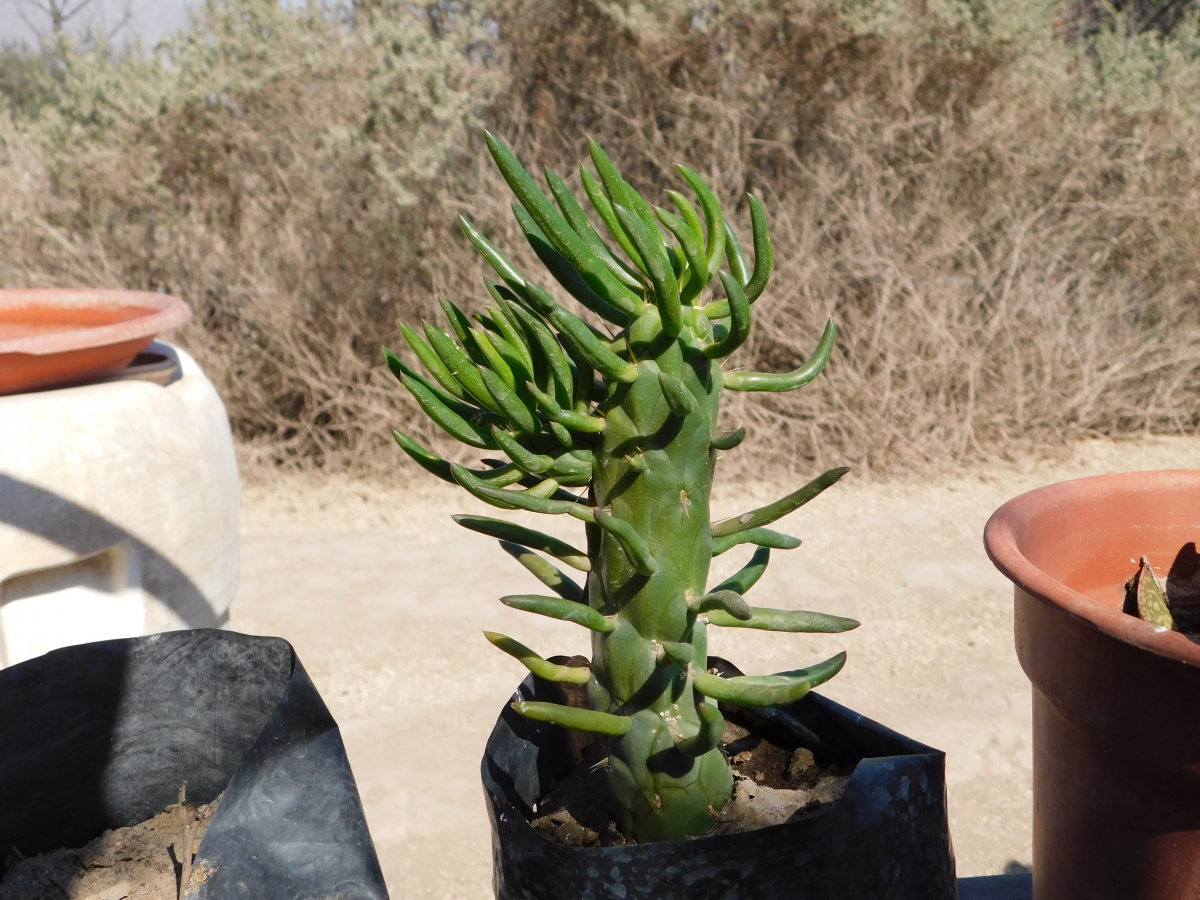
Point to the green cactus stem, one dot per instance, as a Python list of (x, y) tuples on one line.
[(626, 415)]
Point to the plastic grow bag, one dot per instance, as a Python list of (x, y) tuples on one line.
[(102, 735), (888, 837)]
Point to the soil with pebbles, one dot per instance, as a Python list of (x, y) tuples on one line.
[(772, 784), (141, 862)]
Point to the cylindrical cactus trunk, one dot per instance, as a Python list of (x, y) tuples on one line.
[(654, 469), (642, 441)]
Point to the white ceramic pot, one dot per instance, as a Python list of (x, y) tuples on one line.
[(118, 510)]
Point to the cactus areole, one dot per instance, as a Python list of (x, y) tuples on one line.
[(625, 413)]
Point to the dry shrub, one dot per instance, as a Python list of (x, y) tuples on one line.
[(1010, 254)]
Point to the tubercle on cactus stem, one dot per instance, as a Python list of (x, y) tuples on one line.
[(630, 417)]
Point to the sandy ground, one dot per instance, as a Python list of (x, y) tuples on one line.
[(384, 598)]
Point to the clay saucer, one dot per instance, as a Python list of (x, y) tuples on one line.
[(55, 337)]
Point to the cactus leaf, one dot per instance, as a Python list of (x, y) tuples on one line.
[(692, 219), (759, 381), (534, 463), (765, 515), (736, 256), (578, 220), (545, 572), (679, 400), (731, 602), (712, 726), (560, 368), (513, 408), (544, 489), (603, 206), (739, 321), (518, 499), (526, 537), (504, 268), (539, 666), (499, 477), (560, 608), (791, 620), (575, 719), (586, 344), (714, 220), (432, 362), (747, 576), (678, 651), (565, 417), (635, 548), (763, 537), (728, 440), (449, 421), (461, 366), (764, 250), (768, 690), (620, 191), (557, 230), (658, 267), (568, 276)]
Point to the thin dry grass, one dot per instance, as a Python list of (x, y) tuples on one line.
[(1007, 272)]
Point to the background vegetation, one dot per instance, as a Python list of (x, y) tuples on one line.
[(998, 200)]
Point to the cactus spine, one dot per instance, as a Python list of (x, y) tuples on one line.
[(632, 419)]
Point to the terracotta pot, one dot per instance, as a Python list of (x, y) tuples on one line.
[(1116, 702), (56, 337)]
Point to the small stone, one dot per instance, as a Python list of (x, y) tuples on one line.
[(802, 765)]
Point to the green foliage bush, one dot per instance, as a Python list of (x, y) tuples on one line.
[(1000, 213)]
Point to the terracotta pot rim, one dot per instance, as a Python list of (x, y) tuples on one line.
[(1002, 542), (170, 312)]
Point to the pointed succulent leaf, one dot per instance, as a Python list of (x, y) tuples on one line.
[(714, 220), (539, 666), (586, 344), (504, 268), (431, 462), (527, 537), (635, 548), (578, 221), (1152, 603), (556, 359), (689, 242), (504, 499), (534, 463), (768, 690), (747, 576), (658, 268), (739, 320), (765, 515), (513, 408), (461, 366), (764, 250), (736, 256), (759, 381), (712, 727), (728, 440), (731, 602), (453, 424), (763, 537), (679, 399), (432, 362), (791, 620), (692, 219), (559, 608), (545, 572), (604, 207), (587, 720), (556, 229), (568, 276)]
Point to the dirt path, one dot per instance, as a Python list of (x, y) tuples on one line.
[(384, 598)]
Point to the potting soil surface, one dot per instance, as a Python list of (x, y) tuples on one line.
[(772, 784), (141, 862)]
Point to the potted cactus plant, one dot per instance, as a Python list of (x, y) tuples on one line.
[(624, 411)]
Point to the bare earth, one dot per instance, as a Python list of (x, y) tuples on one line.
[(385, 599)]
